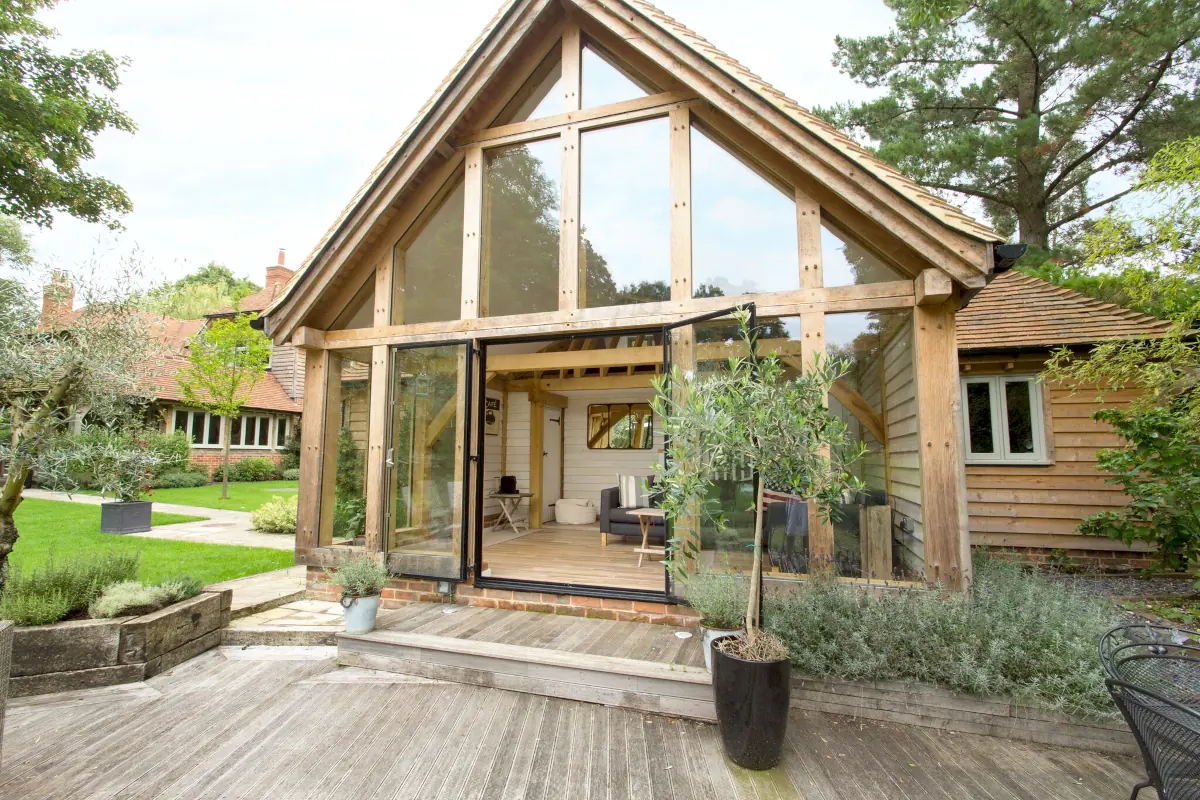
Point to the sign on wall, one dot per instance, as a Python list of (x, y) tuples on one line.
[(491, 416)]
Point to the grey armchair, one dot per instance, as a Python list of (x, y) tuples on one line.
[(616, 521)]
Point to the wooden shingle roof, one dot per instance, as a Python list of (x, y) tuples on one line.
[(1019, 311)]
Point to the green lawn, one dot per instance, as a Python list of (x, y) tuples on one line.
[(242, 496), (72, 529)]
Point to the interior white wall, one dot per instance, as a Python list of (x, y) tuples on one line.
[(587, 472)]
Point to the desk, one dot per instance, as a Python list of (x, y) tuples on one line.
[(645, 516), (509, 505)]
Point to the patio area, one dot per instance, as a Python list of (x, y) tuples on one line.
[(288, 723)]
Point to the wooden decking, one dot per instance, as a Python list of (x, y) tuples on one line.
[(573, 554), (286, 723)]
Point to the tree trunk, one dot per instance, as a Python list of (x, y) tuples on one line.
[(227, 425), (752, 606), (10, 498), (1032, 209)]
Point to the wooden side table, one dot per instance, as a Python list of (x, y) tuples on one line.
[(509, 505), (645, 517)]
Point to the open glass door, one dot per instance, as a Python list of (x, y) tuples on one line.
[(429, 425), (703, 345)]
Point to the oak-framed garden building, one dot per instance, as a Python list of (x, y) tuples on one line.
[(590, 180)]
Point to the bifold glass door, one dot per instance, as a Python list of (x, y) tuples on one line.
[(699, 347), (427, 475)]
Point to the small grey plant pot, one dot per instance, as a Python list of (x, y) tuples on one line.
[(131, 517), (360, 613), (711, 635)]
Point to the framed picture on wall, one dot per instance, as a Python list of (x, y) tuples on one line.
[(491, 416)]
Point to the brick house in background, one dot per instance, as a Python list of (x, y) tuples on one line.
[(267, 420)]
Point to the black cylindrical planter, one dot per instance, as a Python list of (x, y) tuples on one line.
[(752, 699), (131, 517)]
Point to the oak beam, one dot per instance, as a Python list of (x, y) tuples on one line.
[(935, 361), (376, 466), (570, 267), (312, 438), (681, 202), (808, 233), (474, 281), (932, 287), (537, 436)]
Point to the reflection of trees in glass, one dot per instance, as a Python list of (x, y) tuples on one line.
[(521, 245), (864, 266), (433, 266)]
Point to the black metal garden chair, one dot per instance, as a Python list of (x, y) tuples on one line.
[(1154, 678)]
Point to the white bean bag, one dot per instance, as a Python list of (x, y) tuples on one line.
[(574, 512)]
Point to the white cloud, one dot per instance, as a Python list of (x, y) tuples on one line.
[(258, 121)]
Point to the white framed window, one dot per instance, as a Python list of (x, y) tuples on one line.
[(202, 428), (281, 431), (1002, 420), (250, 430)]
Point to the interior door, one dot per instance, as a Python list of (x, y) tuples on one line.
[(703, 345), (429, 426), (552, 432)]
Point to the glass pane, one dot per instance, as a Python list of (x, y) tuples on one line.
[(725, 520), (604, 83), (360, 311), (598, 427), (625, 215), (522, 186), (235, 432), (198, 428), (620, 436), (877, 534), (743, 228), (281, 426), (1020, 416), (214, 427), (426, 479), (350, 504), (540, 96), (979, 418), (845, 263), (181, 421), (251, 426), (429, 271), (643, 426), (264, 431)]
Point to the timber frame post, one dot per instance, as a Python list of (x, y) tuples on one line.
[(320, 424), (939, 406)]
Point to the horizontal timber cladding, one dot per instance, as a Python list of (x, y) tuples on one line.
[(1040, 506)]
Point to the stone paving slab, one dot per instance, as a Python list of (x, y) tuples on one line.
[(265, 591)]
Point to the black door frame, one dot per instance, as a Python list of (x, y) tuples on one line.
[(467, 423), (518, 584)]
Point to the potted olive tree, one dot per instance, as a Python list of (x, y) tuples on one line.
[(362, 579), (751, 415), (118, 463)]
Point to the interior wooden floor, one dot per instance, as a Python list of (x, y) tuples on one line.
[(571, 554)]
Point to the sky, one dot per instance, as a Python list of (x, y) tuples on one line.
[(257, 121)]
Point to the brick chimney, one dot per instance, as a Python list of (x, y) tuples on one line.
[(278, 275), (58, 297)]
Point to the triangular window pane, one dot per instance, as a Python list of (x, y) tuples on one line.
[(540, 96), (743, 228), (847, 263), (427, 274), (604, 82)]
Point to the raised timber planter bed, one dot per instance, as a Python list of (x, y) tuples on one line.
[(101, 652), (933, 707)]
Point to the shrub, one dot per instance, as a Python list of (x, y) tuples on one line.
[(174, 452), (1018, 633), (291, 449), (291, 474), (360, 577), (719, 598), (181, 588), (349, 517), (250, 469), (38, 609), (127, 598), (180, 480), (78, 580), (277, 515)]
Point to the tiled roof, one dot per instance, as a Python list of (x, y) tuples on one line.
[(253, 302), (1020, 311), (157, 379), (944, 212), (174, 333)]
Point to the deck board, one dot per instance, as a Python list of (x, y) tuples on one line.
[(227, 725), (573, 554), (566, 634)]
